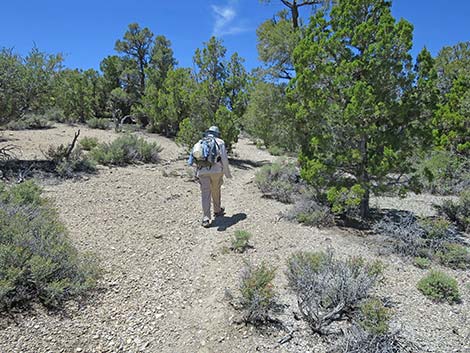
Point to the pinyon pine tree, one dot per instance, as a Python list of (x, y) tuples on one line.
[(353, 68)]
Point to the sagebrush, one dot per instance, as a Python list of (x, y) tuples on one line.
[(257, 293), (329, 289), (37, 260)]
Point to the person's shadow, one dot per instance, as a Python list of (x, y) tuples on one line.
[(224, 222)]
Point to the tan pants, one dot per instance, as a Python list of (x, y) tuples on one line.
[(210, 186)]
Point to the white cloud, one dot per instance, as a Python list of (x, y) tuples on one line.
[(225, 23)]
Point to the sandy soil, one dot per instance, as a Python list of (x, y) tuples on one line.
[(165, 277)]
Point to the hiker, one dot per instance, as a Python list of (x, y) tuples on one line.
[(210, 157)]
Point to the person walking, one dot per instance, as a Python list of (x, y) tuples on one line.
[(211, 160)]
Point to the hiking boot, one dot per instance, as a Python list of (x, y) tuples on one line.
[(206, 222), (220, 213)]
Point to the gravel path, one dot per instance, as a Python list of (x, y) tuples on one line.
[(165, 277)]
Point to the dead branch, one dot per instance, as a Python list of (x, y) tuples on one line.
[(72, 145)]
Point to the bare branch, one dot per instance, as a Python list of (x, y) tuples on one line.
[(72, 145)]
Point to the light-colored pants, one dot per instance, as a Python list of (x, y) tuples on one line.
[(210, 186)]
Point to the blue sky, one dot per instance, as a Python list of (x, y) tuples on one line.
[(85, 31)]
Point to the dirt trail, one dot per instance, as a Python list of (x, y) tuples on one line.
[(165, 277)]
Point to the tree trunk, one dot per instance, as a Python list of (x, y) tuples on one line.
[(295, 15), (364, 179)]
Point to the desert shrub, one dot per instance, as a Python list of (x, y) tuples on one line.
[(307, 210), (126, 149), (29, 122), (98, 123), (359, 340), (276, 151), (443, 173), (240, 241), (422, 262), (280, 180), (374, 316), (88, 143), (257, 293), (439, 287), (458, 211), (455, 256), (37, 260), (55, 114), (413, 237), (405, 232), (437, 233), (66, 164), (327, 289)]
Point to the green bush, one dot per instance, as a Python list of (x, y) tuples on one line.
[(88, 143), (257, 293), (458, 212), (374, 317), (68, 166), (125, 150), (455, 256), (276, 151), (443, 173), (440, 287), (97, 123), (29, 122), (422, 262), (280, 181), (37, 260), (240, 241), (308, 211), (55, 114)]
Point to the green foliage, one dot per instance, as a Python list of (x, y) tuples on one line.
[(455, 256), (450, 122), (37, 260), (257, 293), (170, 104), (440, 287), (26, 83), (125, 150), (240, 241), (374, 317), (344, 199), (29, 122), (219, 97), (422, 262), (350, 105), (458, 211), (276, 42), (280, 180), (443, 172), (76, 94), (136, 45), (268, 107), (98, 123), (27, 193), (67, 166), (88, 143)]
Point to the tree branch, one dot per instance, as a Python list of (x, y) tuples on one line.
[(72, 145)]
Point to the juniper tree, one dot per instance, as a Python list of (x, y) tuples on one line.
[(353, 68)]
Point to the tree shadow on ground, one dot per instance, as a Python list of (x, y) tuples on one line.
[(246, 163), (224, 222)]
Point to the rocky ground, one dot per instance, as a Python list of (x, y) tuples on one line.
[(165, 278)]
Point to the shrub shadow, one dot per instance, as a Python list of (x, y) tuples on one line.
[(246, 164), (224, 222)]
